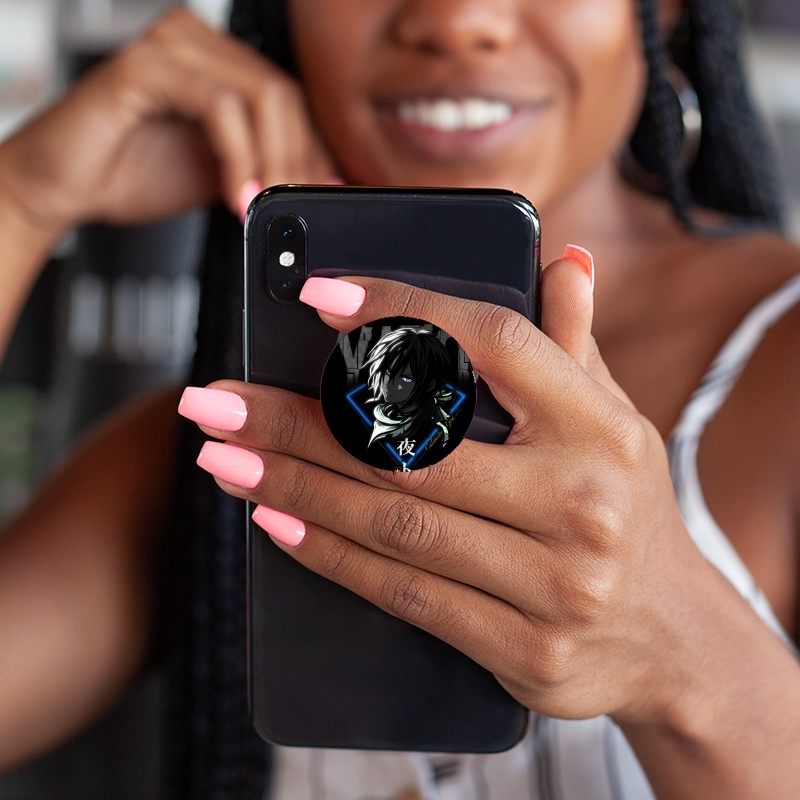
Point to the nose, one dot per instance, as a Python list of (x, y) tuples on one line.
[(450, 27)]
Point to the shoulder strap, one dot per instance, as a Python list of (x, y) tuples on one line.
[(726, 368), (684, 441)]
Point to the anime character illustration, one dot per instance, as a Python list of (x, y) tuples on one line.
[(398, 393), (407, 371)]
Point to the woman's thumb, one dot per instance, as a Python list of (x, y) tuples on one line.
[(567, 310)]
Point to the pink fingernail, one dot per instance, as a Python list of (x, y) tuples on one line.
[(580, 255), (334, 180), (216, 408), (232, 464), (249, 190), (280, 526), (341, 298)]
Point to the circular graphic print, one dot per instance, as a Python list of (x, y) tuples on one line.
[(398, 393)]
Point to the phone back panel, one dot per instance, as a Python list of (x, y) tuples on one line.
[(327, 668)]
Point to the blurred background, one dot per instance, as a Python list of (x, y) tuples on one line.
[(114, 313)]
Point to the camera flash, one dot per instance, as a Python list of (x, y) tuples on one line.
[(286, 258)]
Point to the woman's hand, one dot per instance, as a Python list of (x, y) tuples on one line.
[(180, 117), (550, 559), (558, 560)]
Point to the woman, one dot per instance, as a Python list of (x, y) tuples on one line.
[(584, 588)]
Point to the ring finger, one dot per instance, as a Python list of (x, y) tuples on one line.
[(501, 561)]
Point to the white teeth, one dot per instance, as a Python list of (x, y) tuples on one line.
[(448, 115)]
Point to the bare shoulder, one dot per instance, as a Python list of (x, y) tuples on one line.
[(760, 267), (749, 457), (755, 264)]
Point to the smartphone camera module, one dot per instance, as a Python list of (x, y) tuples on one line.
[(287, 244)]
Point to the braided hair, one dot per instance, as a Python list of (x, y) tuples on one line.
[(733, 172), (211, 749)]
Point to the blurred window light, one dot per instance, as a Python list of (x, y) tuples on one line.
[(214, 12), (27, 58)]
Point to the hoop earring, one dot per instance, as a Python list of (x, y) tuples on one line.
[(691, 120)]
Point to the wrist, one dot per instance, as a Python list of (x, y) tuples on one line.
[(23, 235), (25, 244), (724, 717)]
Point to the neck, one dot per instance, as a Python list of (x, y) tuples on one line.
[(605, 213), (630, 234)]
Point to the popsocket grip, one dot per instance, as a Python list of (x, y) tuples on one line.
[(398, 393)]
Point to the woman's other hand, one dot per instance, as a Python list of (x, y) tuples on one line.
[(179, 118)]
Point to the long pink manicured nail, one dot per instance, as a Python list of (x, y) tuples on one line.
[(280, 526), (216, 408), (580, 255), (232, 464), (341, 298), (249, 190)]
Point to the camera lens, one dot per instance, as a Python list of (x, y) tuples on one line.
[(286, 255)]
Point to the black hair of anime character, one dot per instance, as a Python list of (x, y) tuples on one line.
[(733, 172), (211, 749), (416, 349), (424, 355)]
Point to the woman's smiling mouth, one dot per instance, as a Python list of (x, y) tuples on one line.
[(449, 128), (448, 115)]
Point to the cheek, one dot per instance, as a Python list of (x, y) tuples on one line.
[(333, 41), (609, 76), (595, 50)]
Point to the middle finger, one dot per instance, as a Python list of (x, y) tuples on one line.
[(511, 484), (501, 561)]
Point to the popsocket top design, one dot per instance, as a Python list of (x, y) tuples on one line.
[(398, 393)]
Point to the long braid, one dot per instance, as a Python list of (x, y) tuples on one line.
[(656, 143), (212, 750), (733, 172)]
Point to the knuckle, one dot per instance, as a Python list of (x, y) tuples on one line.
[(335, 559), (287, 427), (552, 663), (412, 598), (506, 333), (594, 513), (588, 592), (406, 525), (131, 72), (433, 480), (627, 438), (407, 298), (224, 102), (300, 489)]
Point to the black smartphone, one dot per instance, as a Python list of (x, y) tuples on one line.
[(327, 668)]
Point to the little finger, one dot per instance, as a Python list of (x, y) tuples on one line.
[(485, 628), (498, 560)]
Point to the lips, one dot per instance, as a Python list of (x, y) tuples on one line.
[(459, 123), (449, 115)]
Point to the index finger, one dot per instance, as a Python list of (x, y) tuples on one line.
[(522, 366)]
